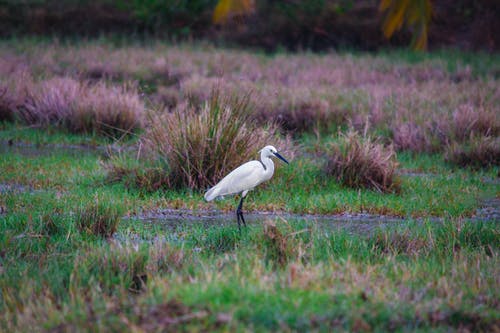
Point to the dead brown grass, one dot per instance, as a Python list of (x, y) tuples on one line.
[(359, 161)]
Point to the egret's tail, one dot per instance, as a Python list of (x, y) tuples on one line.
[(212, 193)]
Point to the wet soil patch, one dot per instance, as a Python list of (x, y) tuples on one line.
[(175, 221)]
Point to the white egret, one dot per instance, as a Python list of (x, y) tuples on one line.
[(245, 177)]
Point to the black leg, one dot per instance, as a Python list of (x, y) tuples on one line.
[(238, 219), (239, 213)]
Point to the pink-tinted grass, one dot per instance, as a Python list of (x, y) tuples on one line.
[(416, 138), (81, 107), (114, 110), (477, 152), (52, 101), (468, 120), (301, 92)]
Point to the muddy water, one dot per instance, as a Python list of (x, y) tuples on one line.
[(172, 226), (178, 221), (174, 222)]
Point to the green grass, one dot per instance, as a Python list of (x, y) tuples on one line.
[(89, 284), (299, 188), (417, 276), (22, 134)]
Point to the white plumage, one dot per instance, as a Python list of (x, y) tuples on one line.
[(245, 177)]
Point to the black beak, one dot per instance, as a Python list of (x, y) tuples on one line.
[(281, 157)]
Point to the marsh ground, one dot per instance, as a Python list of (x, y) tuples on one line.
[(74, 256)]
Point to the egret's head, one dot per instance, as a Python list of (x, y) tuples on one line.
[(269, 151)]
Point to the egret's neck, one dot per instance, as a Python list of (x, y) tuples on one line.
[(268, 164)]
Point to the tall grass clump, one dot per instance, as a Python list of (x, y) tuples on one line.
[(83, 108), (51, 102), (201, 146), (99, 217), (359, 161), (477, 152), (107, 110)]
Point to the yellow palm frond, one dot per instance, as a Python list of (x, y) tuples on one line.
[(414, 14), (227, 9)]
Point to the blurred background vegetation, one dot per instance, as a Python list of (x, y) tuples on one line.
[(271, 24)]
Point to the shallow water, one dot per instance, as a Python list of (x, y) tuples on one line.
[(178, 221), (174, 224)]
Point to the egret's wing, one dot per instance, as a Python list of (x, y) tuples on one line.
[(244, 177)]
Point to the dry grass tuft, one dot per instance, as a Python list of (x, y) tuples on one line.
[(277, 245), (165, 258), (281, 248), (477, 152), (200, 147), (358, 161)]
